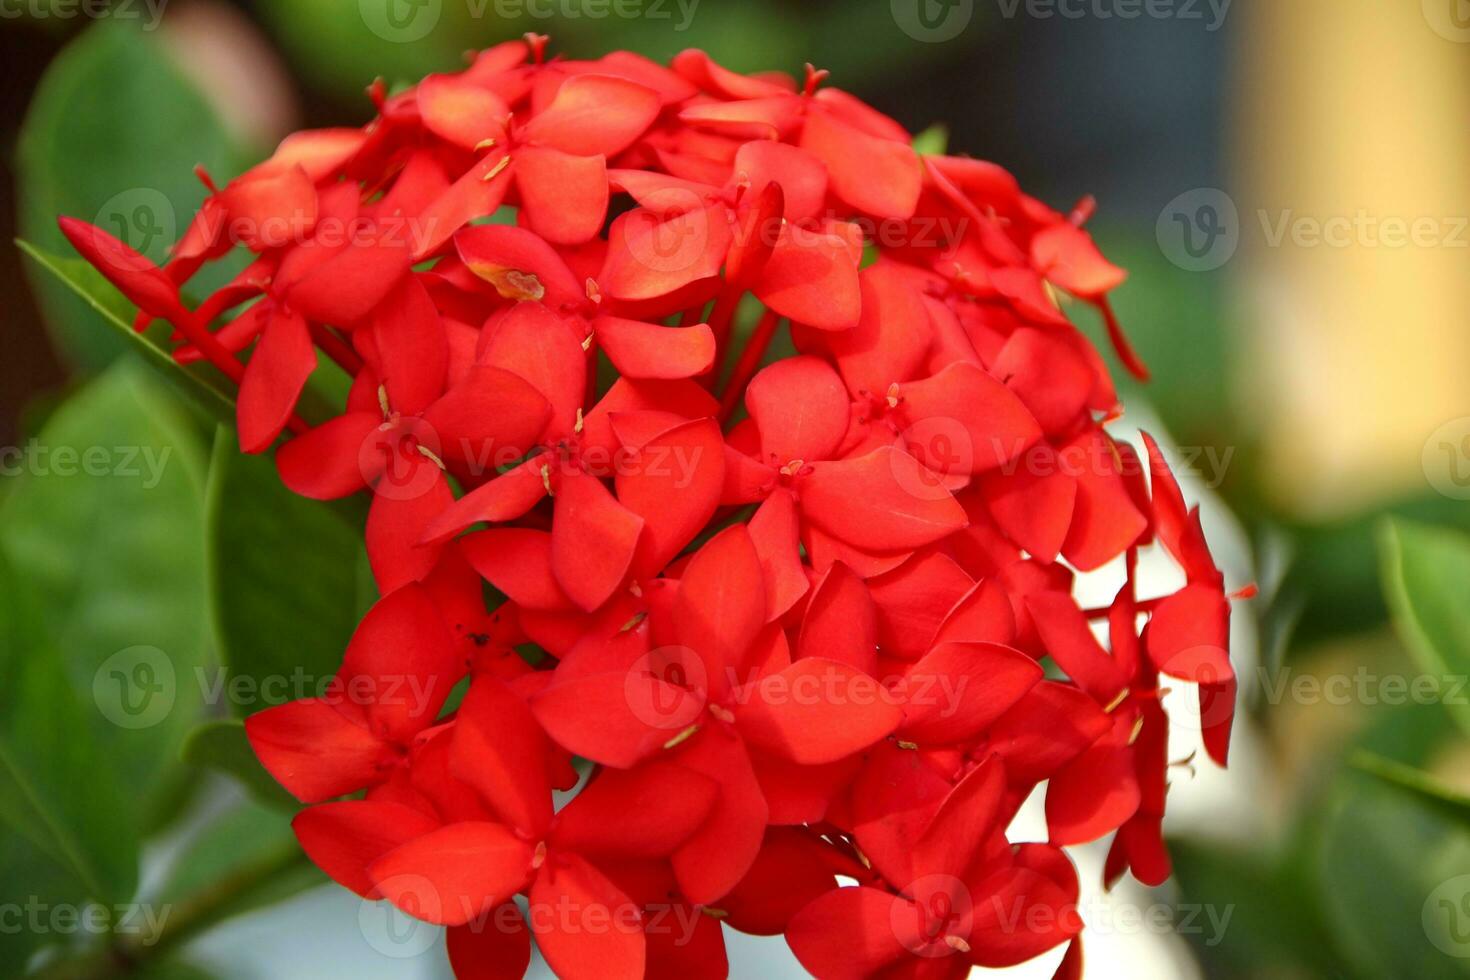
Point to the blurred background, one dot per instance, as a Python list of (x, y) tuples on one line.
[(1289, 186)]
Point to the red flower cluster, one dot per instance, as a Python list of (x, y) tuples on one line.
[(797, 650)]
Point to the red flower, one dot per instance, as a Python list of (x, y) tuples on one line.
[(795, 646)]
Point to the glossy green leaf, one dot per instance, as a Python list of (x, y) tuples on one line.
[(67, 835), (1425, 786), (1426, 576), (1387, 863), (222, 746), (112, 137), (207, 388), (283, 580), (106, 522)]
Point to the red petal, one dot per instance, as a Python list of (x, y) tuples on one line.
[(1049, 374), (327, 462), (847, 934), (891, 338), (617, 719), (965, 820), (673, 483), (346, 287), (984, 615), (1105, 521), (535, 344), (499, 749), (801, 176), (317, 750), (593, 538), (645, 812), (469, 197), (343, 839), (647, 350), (959, 689), (407, 662), (774, 529), (396, 522), (914, 599), (884, 501), (517, 561), (790, 872), (650, 256), (277, 372), (459, 111), (505, 498), (711, 862), (841, 622), (800, 408), (455, 874), (817, 711), (1066, 255), (879, 176), (594, 114), (965, 421), (811, 277), (564, 197), (413, 347), (143, 283), (1052, 725), (492, 415), (1069, 640), (721, 604), (585, 927), (1097, 792), (497, 949), (1032, 501)]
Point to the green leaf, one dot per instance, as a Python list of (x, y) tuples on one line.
[(210, 390), (1426, 577), (222, 745), (1386, 862), (932, 141), (68, 835), (283, 581), (106, 524), (112, 137), (1421, 784)]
